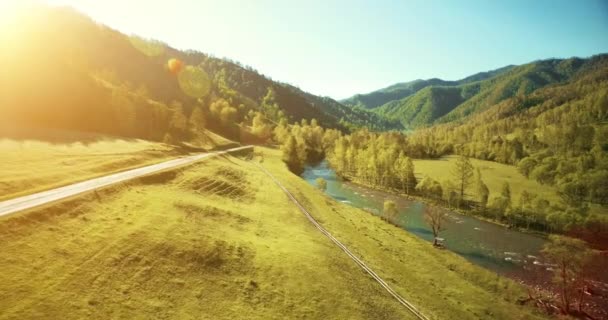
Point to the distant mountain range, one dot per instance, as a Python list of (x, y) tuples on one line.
[(421, 103)]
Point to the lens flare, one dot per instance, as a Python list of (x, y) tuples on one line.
[(194, 82), (175, 65)]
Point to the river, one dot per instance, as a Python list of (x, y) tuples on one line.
[(504, 251)]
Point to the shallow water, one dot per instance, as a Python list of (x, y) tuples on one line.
[(491, 246)]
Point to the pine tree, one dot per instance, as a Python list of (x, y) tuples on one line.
[(463, 173), (483, 193)]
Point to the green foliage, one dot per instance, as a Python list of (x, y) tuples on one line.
[(403, 90), (424, 102), (430, 188), (291, 156), (321, 184), (463, 174), (424, 107), (482, 191), (260, 126), (390, 212), (404, 168)]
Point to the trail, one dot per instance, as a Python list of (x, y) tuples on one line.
[(351, 255), (41, 198)]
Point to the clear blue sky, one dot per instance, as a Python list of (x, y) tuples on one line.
[(339, 48)]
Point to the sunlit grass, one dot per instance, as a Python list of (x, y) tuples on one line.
[(29, 166), (220, 241), (494, 174)]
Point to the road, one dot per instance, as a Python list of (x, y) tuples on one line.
[(41, 198), (408, 305)]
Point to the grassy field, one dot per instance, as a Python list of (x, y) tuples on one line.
[(30, 165), (219, 240), (494, 175)]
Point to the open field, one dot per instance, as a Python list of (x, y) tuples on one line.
[(31, 165), (220, 240), (494, 174)]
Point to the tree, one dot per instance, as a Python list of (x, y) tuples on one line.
[(483, 193), (570, 255), (390, 211), (449, 192), (290, 155), (506, 191), (197, 120), (463, 173), (525, 207), (270, 107), (404, 168), (228, 115), (179, 122), (573, 192), (281, 131), (429, 187), (435, 218), (259, 126), (321, 184)]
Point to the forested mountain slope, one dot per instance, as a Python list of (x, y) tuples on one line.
[(403, 90), (435, 101), (84, 71), (556, 135)]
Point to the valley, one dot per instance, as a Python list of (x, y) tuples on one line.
[(194, 241), (143, 179)]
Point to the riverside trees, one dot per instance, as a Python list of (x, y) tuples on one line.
[(570, 257), (463, 175), (435, 218)]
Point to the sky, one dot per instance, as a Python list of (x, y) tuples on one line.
[(339, 48)]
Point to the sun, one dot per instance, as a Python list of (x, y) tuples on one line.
[(11, 9)]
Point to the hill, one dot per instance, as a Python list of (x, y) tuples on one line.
[(215, 240), (403, 90), (453, 102), (85, 70)]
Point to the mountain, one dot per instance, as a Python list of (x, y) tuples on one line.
[(84, 70), (446, 103), (400, 91)]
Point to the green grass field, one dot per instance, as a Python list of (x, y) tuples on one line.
[(494, 174), (219, 240), (31, 165)]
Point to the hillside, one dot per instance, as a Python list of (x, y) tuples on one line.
[(215, 240), (88, 71), (403, 90), (435, 101), (423, 107)]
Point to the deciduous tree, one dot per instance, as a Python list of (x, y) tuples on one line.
[(435, 218)]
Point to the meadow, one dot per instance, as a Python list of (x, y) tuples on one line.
[(494, 175), (219, 240), (31, 164)]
